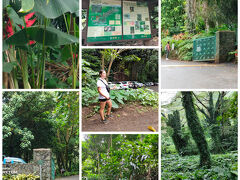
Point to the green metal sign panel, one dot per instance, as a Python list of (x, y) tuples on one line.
[(204, 49), (136, 20), (112, 20), (104, 20)]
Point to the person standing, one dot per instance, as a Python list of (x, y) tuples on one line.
[(104, 96), (167, 49)]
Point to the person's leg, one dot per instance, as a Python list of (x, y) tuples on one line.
[(109, 103), (101, 111)]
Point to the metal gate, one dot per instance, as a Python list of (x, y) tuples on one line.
[(204, 49)]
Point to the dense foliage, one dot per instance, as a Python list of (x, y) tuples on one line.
[(120, 64), (224, 166), (144, 96), (120, 157), (40, 44), (20, 177), (42, 120), (200, 123), (186, 20)]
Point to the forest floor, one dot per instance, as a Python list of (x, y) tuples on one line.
[(130, 117), (223, 167), (198, 75)]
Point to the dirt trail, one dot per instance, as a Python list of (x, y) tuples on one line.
[(131, 117)]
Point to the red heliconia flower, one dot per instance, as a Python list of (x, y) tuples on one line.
[(9, 29), (29, 23), (75, 55)]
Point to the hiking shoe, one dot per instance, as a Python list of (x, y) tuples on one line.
[(105, 121), (108, 116)]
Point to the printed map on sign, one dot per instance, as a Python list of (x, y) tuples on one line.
[(104, 20), (136, 20)]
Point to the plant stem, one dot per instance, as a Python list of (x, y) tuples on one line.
[(74, 70), (43, 54), (24, 68)]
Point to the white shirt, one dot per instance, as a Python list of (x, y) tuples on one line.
[(103, 88)]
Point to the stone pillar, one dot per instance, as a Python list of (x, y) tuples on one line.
[(43, 158), (225, 43)]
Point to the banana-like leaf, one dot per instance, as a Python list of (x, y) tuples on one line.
[(55, 8), (6, 3), (27, 5), (53, 37)]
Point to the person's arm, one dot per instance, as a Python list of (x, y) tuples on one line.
[(100, 92)]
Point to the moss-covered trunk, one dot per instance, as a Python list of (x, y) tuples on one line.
[(196, 129), (179, 141)]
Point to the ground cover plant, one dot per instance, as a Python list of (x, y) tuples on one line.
[(199, 135), (120, 156), (40, 44), (186, 20), (34, 120), (21, 177)]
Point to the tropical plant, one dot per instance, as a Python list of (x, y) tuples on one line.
[(120, 156), (39, 52)]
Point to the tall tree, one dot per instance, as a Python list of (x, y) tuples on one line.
[(212, 110), (196, 129), (179, 140)]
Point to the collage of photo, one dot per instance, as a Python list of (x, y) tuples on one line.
[(119, 90)]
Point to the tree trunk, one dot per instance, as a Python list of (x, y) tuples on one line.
[(211, 111), (196, 129), (215, 129), (180, 142), (98, 164), (102, 62)]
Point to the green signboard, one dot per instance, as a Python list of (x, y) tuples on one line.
[(136, 20), (104, 20), (204, 49), (111, 20)]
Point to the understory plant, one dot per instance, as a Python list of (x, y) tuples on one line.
[(146, 97)]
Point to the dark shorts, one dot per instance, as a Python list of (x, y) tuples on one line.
[(103, 100)]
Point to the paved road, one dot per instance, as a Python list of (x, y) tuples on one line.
[(69, 178), (198, 75)]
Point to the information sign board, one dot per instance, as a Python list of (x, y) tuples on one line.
[(104, 20), (136, 20), (113, 20)]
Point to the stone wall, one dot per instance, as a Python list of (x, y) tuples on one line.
[(225, 43), (41, 159), (43, 156), (30, 168)]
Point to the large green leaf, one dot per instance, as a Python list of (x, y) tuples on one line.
[(6, 3), (27, 5), (55, 8), (53, 36), (14, 17), (8, 66)]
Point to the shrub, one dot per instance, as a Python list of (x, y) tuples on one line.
[(145, 96), (21, 177), (224, 166)]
